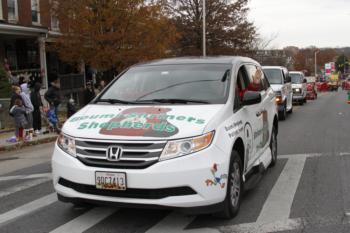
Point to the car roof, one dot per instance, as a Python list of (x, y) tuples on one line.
[(233, 60), (296, 72), (275, 67)]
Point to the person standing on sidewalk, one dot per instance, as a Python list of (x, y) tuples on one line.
[(89, 93), (25, 94), (18, 112), (37, 104), (53, 95)]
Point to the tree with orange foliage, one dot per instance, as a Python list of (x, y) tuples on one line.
[(112, 33)]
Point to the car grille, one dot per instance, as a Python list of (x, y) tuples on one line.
[(136, 154), (130, 192)]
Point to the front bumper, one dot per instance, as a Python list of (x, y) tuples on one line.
[(297, 97), (191, 171)]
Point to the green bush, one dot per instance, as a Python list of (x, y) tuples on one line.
[(5, 86)]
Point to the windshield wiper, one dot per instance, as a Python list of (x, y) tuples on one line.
[(175, 101), (114, 101)]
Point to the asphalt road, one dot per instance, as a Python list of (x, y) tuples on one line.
[(307, 191)]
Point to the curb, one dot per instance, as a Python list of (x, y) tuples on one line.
[(26, 144)]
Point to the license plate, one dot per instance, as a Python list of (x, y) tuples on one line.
[(110, 180)]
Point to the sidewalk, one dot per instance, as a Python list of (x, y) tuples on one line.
[(8, 146)]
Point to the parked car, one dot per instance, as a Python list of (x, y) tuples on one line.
[(311, 91), (346, 84), (322, 86), (181, 133), (298, 86), (280, 82)]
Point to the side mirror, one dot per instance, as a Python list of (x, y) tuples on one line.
[(288, 79), (251, 97), (304, 81)]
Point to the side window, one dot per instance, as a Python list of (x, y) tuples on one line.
[(240, 88), (256, 78)]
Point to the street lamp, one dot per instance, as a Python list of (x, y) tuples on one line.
[(316, 52), (204, 31)]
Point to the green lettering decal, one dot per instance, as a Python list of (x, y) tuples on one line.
[(138, 125), (170, 128), (93, 125), (107, 116), (74, 119), (190, 119), (180, 118), (200, 121), (127, 124), (104, 125), (83, 125), (94, 116), (113, 125), (147, 126), (159, 127)]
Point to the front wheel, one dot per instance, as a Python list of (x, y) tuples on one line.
[(234, 190), (273, 147), (283, 114)]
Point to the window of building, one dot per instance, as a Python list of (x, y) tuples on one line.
[(35, 11), (54, 23), (12, 10)]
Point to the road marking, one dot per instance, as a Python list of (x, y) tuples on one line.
[(175, 223), (23, 186), (278, 203), (277, 226), (311, 155), (27, 208), (23, 177), (85, 221)]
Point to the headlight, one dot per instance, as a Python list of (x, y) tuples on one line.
[(278, 99), (67, 144), (297, 90), (186, 146)]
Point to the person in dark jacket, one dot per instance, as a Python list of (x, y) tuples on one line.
[(89, 93), (53, 94), (37, 104), (71, 109)]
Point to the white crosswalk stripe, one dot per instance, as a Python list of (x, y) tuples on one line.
[(22, 186), (85, 221), (28, 208), (24, 177), (278, 204)]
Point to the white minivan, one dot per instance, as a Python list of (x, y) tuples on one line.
[(280, 82), (184, 133)]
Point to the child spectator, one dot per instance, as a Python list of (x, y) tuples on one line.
[(18, 112), (52, 118)]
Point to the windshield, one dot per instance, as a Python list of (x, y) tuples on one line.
[(206, 83), (274, 76), (296, 78)]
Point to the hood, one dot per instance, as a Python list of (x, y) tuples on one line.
[(297, 85), (276, 87), (140, 122), (25, 89)]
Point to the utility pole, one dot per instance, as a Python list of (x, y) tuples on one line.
[(316, 52), (204, 30)]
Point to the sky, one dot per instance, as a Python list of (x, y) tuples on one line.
[(302, 23)]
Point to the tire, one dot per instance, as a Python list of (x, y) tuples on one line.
[(301, 102), (282, 115), (232, 202), (273, 147)]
